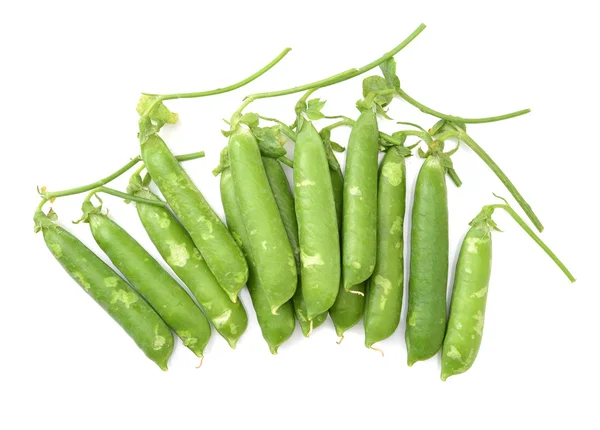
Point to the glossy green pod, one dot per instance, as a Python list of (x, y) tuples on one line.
[(110, 291), (385, 287), (271, 250), (222, 255), (426, 318), (275, 328), (285, 202), (317, 222), (148, 277), (469, 297), (347, 310), (177, 248)]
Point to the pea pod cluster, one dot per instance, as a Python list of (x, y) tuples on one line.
[(308, 238)]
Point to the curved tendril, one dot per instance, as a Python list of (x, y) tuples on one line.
[(335, 79), (453, 118), (535, 238), (467, 140), (225, 89)]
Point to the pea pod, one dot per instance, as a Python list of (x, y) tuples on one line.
[(359, 238), (347, 310), (317, 223), (177, 248), (426, 319), (285, 202), (469, 296), (275, 328), (385, 287), (110, 291), (211, 237), (270, 248), (148, 277)]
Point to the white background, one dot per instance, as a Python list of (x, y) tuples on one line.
[(73, 72)]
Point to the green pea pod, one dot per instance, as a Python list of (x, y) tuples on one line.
[(270, 247), (469, 295), (285, 202), (177, 248), (426, 319), (384, 289), (211, 237), (359, 238), (317, 223), (148, 277), (347, 310), (110, 291), (276, 328)]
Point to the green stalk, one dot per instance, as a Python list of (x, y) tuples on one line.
[(335, 79), (225, 89), (111, 177), (459, 119)]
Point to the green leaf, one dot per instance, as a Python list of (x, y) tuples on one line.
[(381, 111), (270, 141), (336, 146), (313, 110), (437, 127), (159, 113), (389, 72), (250, 119), (377, 83), (223, 162)]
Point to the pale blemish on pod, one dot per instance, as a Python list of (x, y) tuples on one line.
[(127, 298), (264, 244), (481, 293), (384, 283), (412, 319), (179, 254), (81, 279), (306, 183), (479, 325), (220, 320), (111, 282), (396, 225), (159, 341), (393, 173), (356, 265), (55, 249), (208, 228), (355, 191), (186, 338), (311, 260), (454, 353)]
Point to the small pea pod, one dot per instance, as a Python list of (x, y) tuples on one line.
[(148, 277), (469, 296), (347, 310), (270, 248), (359, 238), (426, 319), (177, 248), (275, 328), (110, 291), (317, 222), (285, 202), (385, 287), (211, 237)]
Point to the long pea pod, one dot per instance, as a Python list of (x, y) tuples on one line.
[(269, 245), (275, 328), (385, 287), (426, 318), (469, 295), (285, 202), (348, 308), (317, 222), (109, 290), (359, 230), (211, 237), (148, 277), (177, 248)]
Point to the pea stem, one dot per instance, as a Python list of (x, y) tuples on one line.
[(286, 129), (112, 177), (467, 140), (125, 196), (225, 89), (350, 122), (335, 79), (41, 205), (287, 161), (535, 238), (453, 118)]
